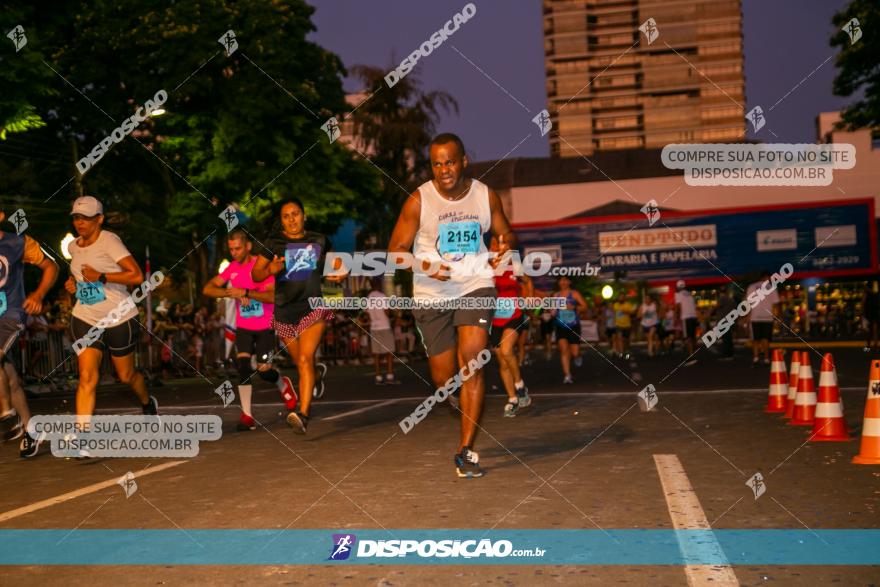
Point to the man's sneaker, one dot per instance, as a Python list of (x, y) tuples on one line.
[(568, 380), (523, 398), (578, 361), (10, 427), (29, 447), (390, 379), (467, 464), (511, 408), (299, 422), (379, 380), (288, 393), (320, 372), (245, 423), (151, 408)]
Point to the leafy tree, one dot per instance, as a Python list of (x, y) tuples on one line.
[(396, 125), (858, 63), (239, 128), (22, 74)]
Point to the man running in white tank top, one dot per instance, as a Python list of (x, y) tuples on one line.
[(444, 221)]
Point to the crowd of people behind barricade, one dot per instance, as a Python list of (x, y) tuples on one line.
[(347, 339), (188, 338)]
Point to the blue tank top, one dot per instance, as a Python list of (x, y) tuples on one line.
[(566, 316), (12, 277)]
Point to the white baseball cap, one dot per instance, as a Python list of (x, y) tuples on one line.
[(680, 284), (87, 206)]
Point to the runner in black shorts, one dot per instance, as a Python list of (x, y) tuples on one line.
[(15, 252), (296, 257), (102, 268), (568, 327), (507, 323), (254, 309)]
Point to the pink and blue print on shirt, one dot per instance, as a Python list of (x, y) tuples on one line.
[(300, 260)]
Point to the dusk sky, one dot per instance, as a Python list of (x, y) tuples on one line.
[(785, 40)]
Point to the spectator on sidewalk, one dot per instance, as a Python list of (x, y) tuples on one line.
[(650, 318), (381, 337), (686, 314), (762, 317), (726, 304)]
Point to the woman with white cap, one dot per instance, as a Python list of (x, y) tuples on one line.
[(102, 269)]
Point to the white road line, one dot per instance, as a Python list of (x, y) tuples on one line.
[(80, 492), (420, 398), (687, 514), (361, 410), (219, 406)]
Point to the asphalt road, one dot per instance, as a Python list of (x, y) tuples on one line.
[(582, 457)]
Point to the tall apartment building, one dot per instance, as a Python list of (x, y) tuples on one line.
[(609, 89)]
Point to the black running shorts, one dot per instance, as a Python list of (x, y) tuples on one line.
[(518, 324), (120, 340), (256, 342)]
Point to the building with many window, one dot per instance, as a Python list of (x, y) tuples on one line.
[(610, 88)]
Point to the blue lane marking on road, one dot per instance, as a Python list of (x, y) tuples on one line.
[(439, 547)]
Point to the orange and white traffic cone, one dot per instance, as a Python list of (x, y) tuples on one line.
[(829, 423), (870, 450), (778, 395), (805, 400), (792, 384)]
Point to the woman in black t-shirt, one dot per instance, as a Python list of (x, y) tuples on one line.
[(295, 257)]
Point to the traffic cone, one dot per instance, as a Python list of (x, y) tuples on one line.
[(778, 395), (829, 423), (792, 384), (870, 451), (805, 400)]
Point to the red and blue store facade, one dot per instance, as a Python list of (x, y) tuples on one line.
[(832, 246)]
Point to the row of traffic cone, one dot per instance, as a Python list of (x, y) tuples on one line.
[(796, 397)]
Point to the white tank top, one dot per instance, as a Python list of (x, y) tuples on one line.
[(452, 232)]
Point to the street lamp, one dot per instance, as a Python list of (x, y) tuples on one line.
[(157, 112), (607, 292), (65, 243)]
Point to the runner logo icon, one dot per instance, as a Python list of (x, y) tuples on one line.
[(342, 546)]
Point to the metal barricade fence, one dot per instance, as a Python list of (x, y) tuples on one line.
[(43, 355), (47, 359)]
